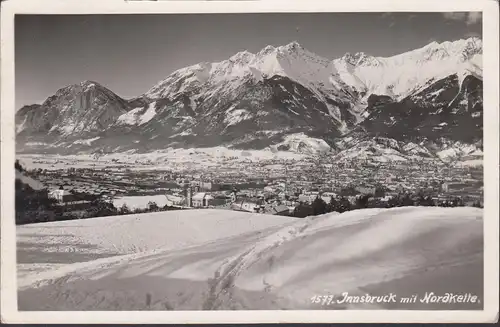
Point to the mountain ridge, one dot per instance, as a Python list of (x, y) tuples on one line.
[(256, 100)]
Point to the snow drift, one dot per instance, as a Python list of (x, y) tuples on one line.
[(213, 260)]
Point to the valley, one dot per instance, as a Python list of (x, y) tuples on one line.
[(282, 175)]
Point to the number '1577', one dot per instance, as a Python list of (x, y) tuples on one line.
[(322, 299)]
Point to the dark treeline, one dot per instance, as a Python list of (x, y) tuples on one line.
[(32, 206), (342, 204), (35, 206)]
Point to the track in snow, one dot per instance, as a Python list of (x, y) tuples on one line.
[(377, 251)]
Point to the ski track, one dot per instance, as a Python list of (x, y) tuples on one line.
[(292, 260)]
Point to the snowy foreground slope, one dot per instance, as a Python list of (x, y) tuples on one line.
[(194, 260)]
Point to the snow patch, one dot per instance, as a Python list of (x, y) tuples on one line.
[(136, 117), (456, 150), (36, 144), (22, 126), (237, 115), (301, 143), (129, 118), (89, 87), (257, 74), (148, 115), (68, 128), (86, 141)]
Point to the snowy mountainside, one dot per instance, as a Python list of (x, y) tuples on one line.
[(383, 149), (78, 111), (400, 75), (449, 108), (265, 100), (290, 61)]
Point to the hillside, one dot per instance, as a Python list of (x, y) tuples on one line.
[(191, 260)]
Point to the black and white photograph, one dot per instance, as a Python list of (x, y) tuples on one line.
[(327, 161)]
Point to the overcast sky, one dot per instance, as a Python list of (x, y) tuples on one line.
[(131, 53)]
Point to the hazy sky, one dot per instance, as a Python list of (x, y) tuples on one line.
[(131, 53)]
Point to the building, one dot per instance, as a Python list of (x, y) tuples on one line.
[(207, 186), (202, 185), (307, 198), (279, 210), (174, 200), (246, 205), (269, 189), (202, 200), (220, 200), (72, 201), (189, 197), (365, 190), (329, 194), (60, 195)]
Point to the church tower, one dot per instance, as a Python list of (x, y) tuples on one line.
[(189, 197)]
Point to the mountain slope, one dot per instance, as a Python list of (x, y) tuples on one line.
[(73, 112), (254, 101), (446, 109), (292, 61), (255, 114), (400, 75)]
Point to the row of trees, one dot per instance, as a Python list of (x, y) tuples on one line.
[(342, 204)]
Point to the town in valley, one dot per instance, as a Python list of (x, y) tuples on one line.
[(272, 186)]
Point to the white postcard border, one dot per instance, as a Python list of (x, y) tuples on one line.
[(9, 312)]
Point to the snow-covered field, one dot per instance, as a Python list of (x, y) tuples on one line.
[(172, 159), (211, 259), (301, 147), (67, 241)]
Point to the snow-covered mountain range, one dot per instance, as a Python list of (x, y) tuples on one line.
[(284, 98)]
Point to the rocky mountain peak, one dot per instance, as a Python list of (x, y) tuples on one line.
[(291, 47), (463, 49), (359, 59), (242, 57), (267, 50)]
